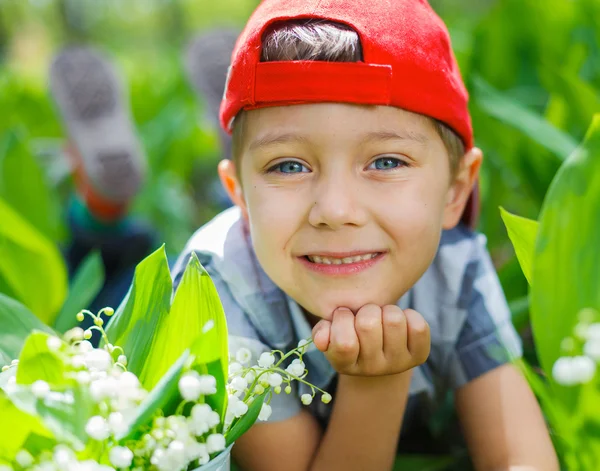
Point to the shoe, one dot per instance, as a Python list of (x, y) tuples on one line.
[(109, 161), (206, 61)]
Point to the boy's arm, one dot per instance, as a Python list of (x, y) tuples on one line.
[(503, 424), (374, 351), (362, 433)]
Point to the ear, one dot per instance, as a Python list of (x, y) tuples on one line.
[(231, 183), (462, 186)]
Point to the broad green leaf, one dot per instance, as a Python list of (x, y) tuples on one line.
[(534, 126), (423, 463), (38, 362), (86, 284), (17, 323), (163, 397), (242, 425), (134, 326), (565, 267), (195, 305), (24, 187), (16, 426), (32, 267), (522, 233)]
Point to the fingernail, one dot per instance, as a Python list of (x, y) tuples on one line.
[(343, 309)]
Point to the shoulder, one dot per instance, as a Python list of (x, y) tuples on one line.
[(253, 304), (452, 273)]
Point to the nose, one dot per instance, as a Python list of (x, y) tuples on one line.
[(337, 203)]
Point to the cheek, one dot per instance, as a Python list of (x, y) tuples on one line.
[(275, 214)]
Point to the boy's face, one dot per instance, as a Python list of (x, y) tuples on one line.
[(345, 203)]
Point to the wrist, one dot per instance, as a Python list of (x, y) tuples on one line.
[(394, 381)]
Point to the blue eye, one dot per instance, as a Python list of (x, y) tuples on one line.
[(289, 166), (386, 163)]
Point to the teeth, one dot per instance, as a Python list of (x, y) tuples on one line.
[(341, 261)]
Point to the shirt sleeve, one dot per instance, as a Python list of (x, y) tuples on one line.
[(487, 338)]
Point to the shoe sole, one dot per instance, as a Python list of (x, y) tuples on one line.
[(91, 100)]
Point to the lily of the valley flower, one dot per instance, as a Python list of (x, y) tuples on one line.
[(120, 457), (97, 428), (306, 399), (570, 371), (266, 360), (265, 412), (40, 389), (215, 443)]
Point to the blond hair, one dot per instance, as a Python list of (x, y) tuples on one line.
[(322, 40)]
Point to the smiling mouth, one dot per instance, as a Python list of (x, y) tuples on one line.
[(323, 260)]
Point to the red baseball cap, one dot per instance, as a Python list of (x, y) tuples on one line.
[(407, 62)]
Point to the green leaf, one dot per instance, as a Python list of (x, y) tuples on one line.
[(136, 322), (86, 284), (510, 112), (522, 233), (243, 424), (17, 427), (196, 304), (423, 463), (164, 397), (64, 412), (32, 268), (582, 100), (38, 362), (24, 187), (17, 323), (565, 267)]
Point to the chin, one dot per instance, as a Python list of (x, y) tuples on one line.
[(352, 301)]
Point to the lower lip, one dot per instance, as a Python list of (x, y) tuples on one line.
[(342, 269)]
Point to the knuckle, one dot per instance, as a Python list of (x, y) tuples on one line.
[(369, 310), (345, 347), (393, 317), (367, 323), (421, 329), (421, 354)]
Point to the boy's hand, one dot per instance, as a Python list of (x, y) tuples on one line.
[(376, 341)]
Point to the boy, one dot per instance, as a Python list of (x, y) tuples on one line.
[(352, 165)]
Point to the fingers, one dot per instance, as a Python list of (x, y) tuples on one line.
[(419, 341), (394, 334), (369, 329), (343, 341), (321, 334)]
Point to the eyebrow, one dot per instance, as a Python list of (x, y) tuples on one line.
[(270, 139), (396, 136)]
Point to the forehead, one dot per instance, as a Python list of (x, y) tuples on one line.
[(326, 122)]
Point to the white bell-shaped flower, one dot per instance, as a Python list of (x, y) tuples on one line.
[(243, 355), (265, 412), (266, 360), (306, 399), (215, 443), (40, 389), (190, 387), (97, 428), (98, 359), (120, 457), (592, 349)]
